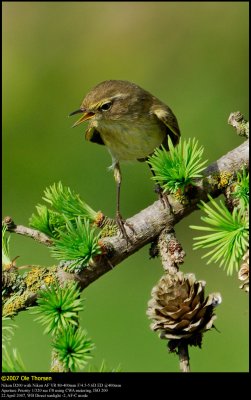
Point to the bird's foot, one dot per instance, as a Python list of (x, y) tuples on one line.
[(121, 224), (162, 196)]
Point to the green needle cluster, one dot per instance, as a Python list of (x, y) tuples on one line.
[(58, 307), (228, 237), (177, 168)]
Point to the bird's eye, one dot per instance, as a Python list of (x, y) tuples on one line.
[(106, 106)]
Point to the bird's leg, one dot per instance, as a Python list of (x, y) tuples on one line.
[(120, 221), (158, 189)]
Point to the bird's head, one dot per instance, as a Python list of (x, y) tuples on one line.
[(113, 100)]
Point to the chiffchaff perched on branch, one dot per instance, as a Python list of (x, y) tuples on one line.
[(130, 122)]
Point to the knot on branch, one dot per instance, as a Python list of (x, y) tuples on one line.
[(8, 221), (236, 119)]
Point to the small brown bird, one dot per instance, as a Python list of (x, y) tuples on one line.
[(130, 122)]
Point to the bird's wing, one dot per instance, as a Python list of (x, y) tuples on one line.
[(166, 116), (92, 135)]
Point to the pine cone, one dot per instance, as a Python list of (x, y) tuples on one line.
[(243, 273), (179, 310)]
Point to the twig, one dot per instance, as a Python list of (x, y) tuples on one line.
[(183, 356), (171, 252), (172, 255), (25, 231)]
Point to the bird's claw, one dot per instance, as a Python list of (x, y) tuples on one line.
[(121, 224), (162, 196)]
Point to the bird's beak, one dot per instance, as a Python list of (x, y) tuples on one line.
[(86, 115)]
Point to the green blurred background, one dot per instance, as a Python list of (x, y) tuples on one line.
[(191, 55)]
